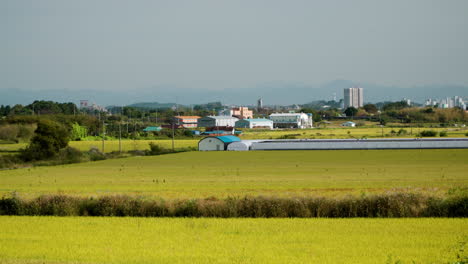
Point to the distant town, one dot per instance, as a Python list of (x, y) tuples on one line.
[(219, 119)]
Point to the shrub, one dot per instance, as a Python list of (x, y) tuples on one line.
[(402, 132), (443, 133), (382, 205), (94, 154), (466, 135), (49, 138), (289, 136), (70, 155), (428, 133), (155, 149), (360, 124), (9, 133), (9, 161)]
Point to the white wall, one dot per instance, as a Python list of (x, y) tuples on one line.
[(360, 144), (210, 144)]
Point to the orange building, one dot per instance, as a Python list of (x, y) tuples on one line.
[(242, 112), (186, 121)]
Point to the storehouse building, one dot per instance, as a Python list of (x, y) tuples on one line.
[(255, 123), (216, 143)]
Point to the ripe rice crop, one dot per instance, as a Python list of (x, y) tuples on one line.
[(188, 240), (193, 175)]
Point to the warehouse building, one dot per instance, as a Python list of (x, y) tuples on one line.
[(332, 144), (255, 123), (243, 145), (217, 121), (291, 120), (329, 144), (216, 143)]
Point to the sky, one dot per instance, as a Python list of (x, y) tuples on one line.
[(215, 45)]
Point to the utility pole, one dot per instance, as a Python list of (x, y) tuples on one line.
[(103, 132), (173, 136), (120, 138)]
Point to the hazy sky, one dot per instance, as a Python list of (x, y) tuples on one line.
[(218, 44)]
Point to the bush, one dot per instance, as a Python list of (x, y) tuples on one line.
[(382, 205), (9, 161), (360, 124), (402, 132), (70, 155), (16, 132), (155, 149), (9, 133), (428, 133), (48, 139), (289, 136), (94, 154), (443, 133)]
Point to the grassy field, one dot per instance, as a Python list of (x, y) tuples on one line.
[(347, 132), (319, 133), (188, 240), (113, 145), (268, 173)]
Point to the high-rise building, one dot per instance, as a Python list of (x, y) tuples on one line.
[(353, 97), (259, 104)]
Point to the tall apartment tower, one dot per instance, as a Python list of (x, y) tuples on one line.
[(353, 97), (259, 104)]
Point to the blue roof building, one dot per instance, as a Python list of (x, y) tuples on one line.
[(216, 143), (152, 129)]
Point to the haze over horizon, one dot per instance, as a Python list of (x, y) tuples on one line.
[(200, 51)]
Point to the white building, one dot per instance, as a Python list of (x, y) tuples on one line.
[(291, 120), (255, 123), (349, 124), (353, 97), (216, 143), (448, 102), (217, 121), (327, 144)]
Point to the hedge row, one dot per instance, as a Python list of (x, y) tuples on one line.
[(382, 205)]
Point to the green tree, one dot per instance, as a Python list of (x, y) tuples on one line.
[(78, 132), (351, 111), (49, 138), (370, 108)]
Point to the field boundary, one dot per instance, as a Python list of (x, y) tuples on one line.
[(383, 205)]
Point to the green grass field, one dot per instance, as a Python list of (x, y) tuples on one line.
[(113, 145), (188, 240), (268, 173), (348, 132)]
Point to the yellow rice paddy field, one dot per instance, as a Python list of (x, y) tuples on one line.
[(188, 240)]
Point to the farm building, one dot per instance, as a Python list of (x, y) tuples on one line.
[(291, 120), (152, 129), (217, 121), (243, 145), (328, 144), (349, 124), (186, 121), (255, 123), (216, 143)]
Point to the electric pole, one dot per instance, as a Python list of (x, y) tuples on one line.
[(120, 138), (103, 132)]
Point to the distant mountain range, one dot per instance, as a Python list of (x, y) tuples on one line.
[(279, 93)]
